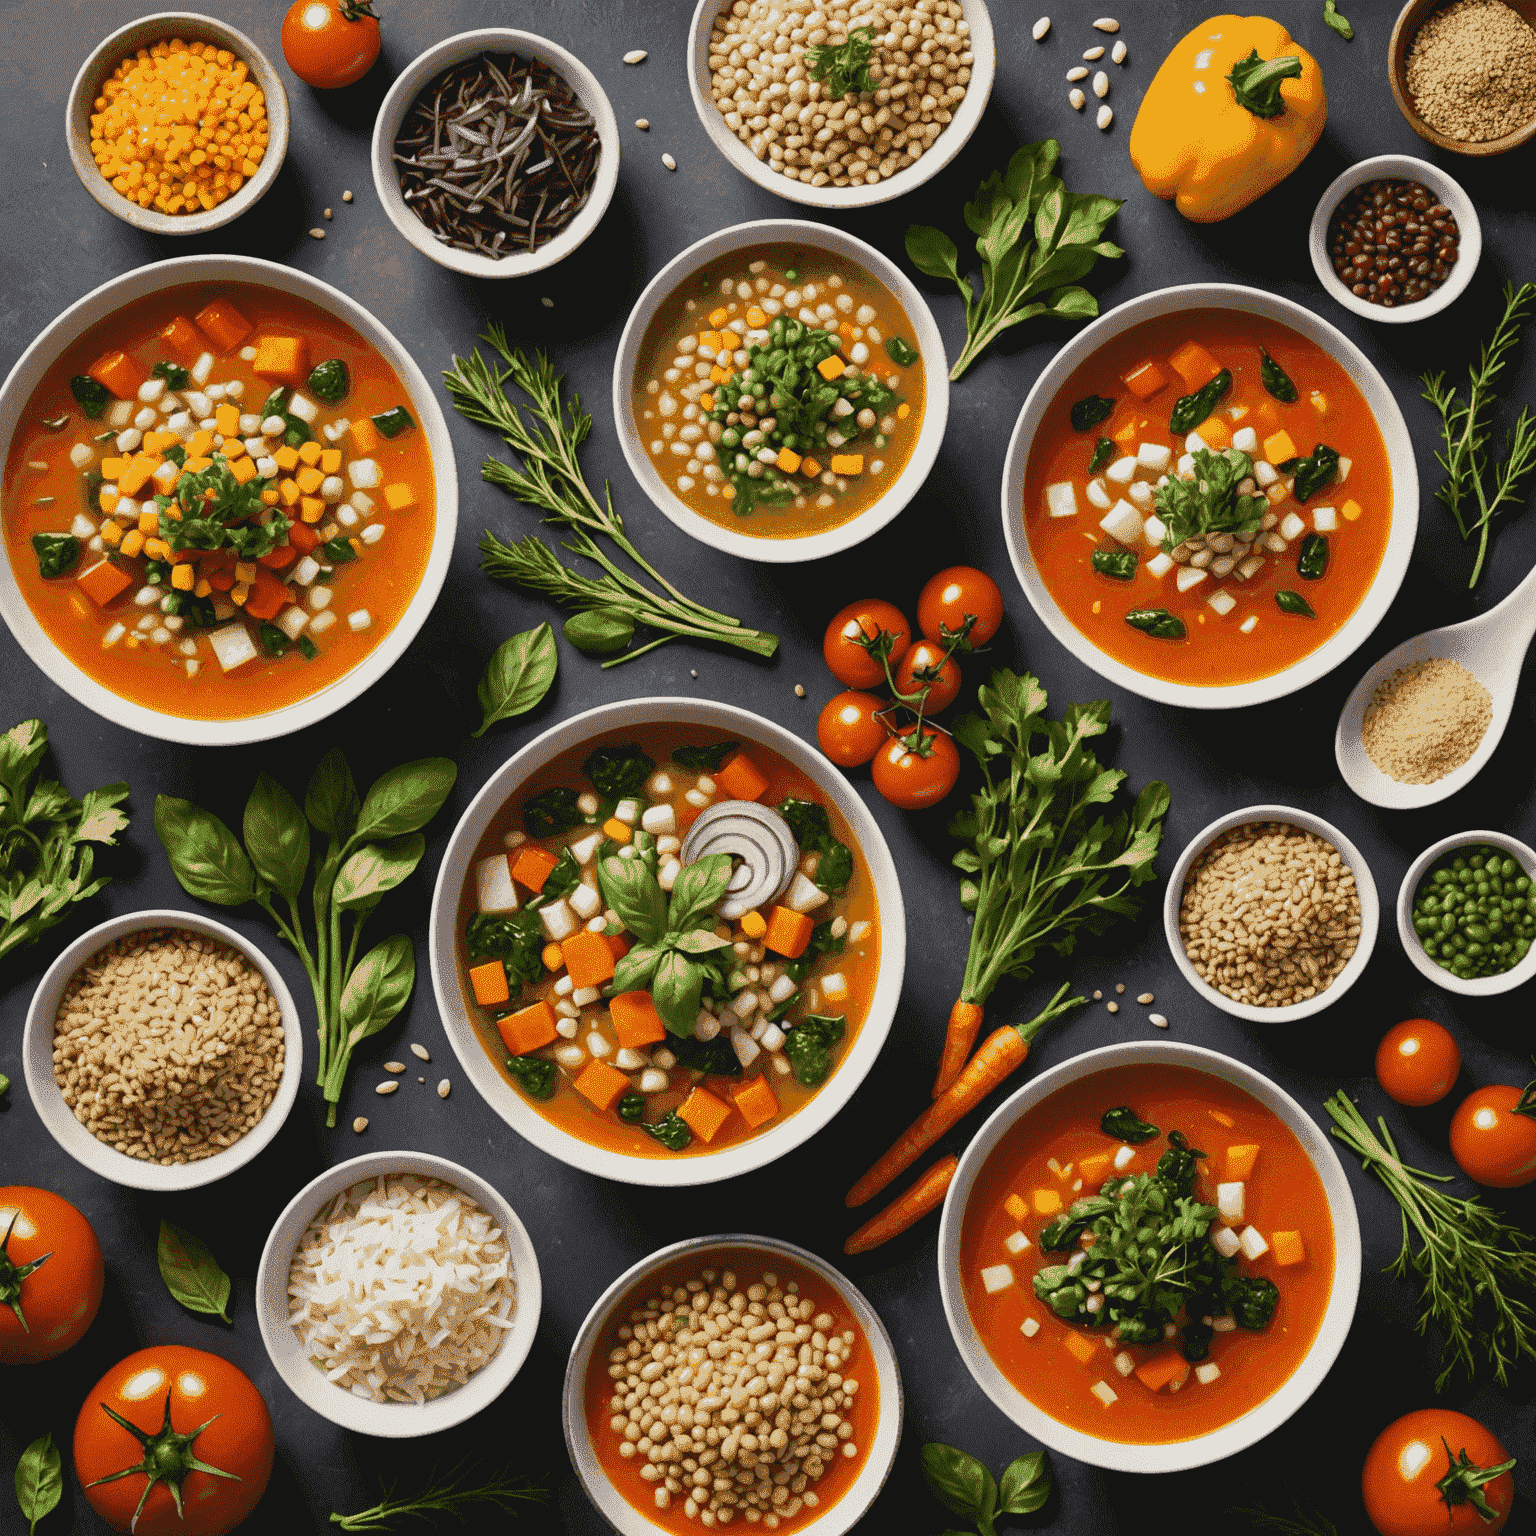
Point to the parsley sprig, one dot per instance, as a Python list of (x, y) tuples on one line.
[(843, 67), (1211, 502)]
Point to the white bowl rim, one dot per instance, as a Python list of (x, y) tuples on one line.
[(1475, 986), (1389, 419), (395, 1421), (1365, 885), (925, 451), (444, 55), (1446, 188), (966, 120), (1265, 1417), (117, 293), (59, 1121), (546, 1135), (854, 1503)]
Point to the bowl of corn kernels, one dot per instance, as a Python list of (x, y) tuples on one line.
[(177, 123)]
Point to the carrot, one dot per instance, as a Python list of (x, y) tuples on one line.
[(1001, 1052), (906, 1210), (959, 1041)]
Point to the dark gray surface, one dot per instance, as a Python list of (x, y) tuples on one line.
[(56, 244)]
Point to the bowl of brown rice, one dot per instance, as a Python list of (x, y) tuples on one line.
[(1271, 914), (162, 1050)]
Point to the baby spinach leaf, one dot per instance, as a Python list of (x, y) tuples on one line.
[(706, 759), (1157, 622), (1275, 379), (191, 1273), (206, 857), (1103, 453), (92, 398), (330, 381), (716, 1057), (514, 938), (1195, 1345), (56, 553), (1117, 563), (599, 631), (1295, 603), (1190, 410), (562, 879), (405, 798), (631, 1108), (1124, 1124), (1063, 1232), (1090, 411), (900, 351), (535, 1075), (518, 675), (276, 836), (39, 1481), (671, 1131), (1176, 1168), (618, 771), (175, 376), (1315, 471), (1253, 1301), (553, 811), (1312, 560), (821, 942), (394, 421), (809, 1044), (812, 829)]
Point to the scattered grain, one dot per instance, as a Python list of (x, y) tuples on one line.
[(1145, 998), (1112, 1006), (327, 213), (388, 1086), (1107, 24), (1120, 986), (1093, 53), (1426, 720), (420, 1051), (1098, 996), (1040, 28), (1472, 70), (635, 56), (1105, 118), (1117, 53), (799, 690), (547, 302), (346, 196), (360, 1124), (1078, 72), (1076, 97), (394, 1066), (317, 233), (1101, 85), (444, 1088), (1158, 1020), (669, 162), (642, 123)]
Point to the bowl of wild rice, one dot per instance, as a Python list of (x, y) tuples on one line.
[(496, 153), (398, 1294), (1271, 914), (162, 1050)]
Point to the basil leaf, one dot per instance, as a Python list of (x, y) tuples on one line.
[(1295, 603), (958, 1481), (39, 1480), (562, 879), (376, 869), (1090, 411), (276, 836), (1314, 472), (537, 1076), (1190, 410), (1025, 1485), (56, 553), (932, 252), (618, 771), (378, 988), (1103, 453), (330, 381), (517, 676), (405, 799), (1124, 1124), (1275, 379), (676, 991), (191, 1273), (822, 942), (206, 857), (1118, 563), (701, 941), (636, 967), (1157, 622), (671, 1131), (554, 811), (699, 889), (599, 631), (1340, 23), (900, 351), (630, 889), (330, 801), (1312, 561), (705, 759)]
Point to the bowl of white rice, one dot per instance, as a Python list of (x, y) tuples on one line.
[(398, 1294)]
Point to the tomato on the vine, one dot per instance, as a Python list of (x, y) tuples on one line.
[(1417, 1062), (928, 665), (914, 774), (51, 1275), (1493, 1136), (191, 1431), (846, 655), (850, 731), (330, 43), (954, 595), (1437, 1471)]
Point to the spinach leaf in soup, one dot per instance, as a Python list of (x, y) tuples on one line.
[(1157, 622), (1124, 1124), (616, 772), (706, 759), (812, 829), (535, 1076), (1090, 411), (1312, 473), (1120, 564), (175, 376), (562, 879), (671, 1131), (1276, 380), (1294, 603), (1312, 559), (553, 811), (394, 421), (809, 1044), (900, 351), (1253, 1301), (716, 1057), (1195, 1345), (631, 1108), (1176, 1168), (1103, 453), (330, 381), (1190, 410), (92, 398), (56, 553), (1064, 1231), (821, 942), (514, 938)]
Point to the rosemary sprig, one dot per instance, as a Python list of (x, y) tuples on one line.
[(1477, 486), (1474, 1265), (450, 1493)]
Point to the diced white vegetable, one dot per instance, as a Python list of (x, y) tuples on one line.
[(1160, 564), (250, 423), (557, 920), (570, 1056), (332, 488), (364, 474), (1142, 495), (493, 882), (120, 414), (1292, 526), (202, 368), (1154, 530), (1207, 1373), (232, 646), (1189, 577), (585, 902), (744, 1004), (1229, 1201), (1061, 499), (359, 620), (82, 527), (1251, 1240), (1154, 457), (320, 597), (1016, 1242), (1123, 1157), (1098, 495), (747, 1049), (1124, 1363), (659, 820), (696, 797), (588, 803), (705, 1027), (151, 390), (654, 1080), (627, 811), (266, 466), (114, 634), (627, 1060), (322, 622), (306, 570), (996, 1277), (1029, 1327), (772, 1038), (198, 403), (1224, 1324), (1122, 471), (1245, 440), (1194, 443), (292, 621), (782, 990), (364, 504), (804, 895), (1222, 601), (1249, 624), (1186, 465), (666, 876), (1265, 473), (1341, 474), (1325, 519), (584, 997), (1105, 1393), (181, 423), (303, 407), (1123, 522), (584, 848)]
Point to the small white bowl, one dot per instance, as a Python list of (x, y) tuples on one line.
[(1474, 986), (190, 27), (1370, 913), (1449, 192), (930, 345), (879, 1457), (512, 1105), (435, 61), (945, 147), (59, 1119), (1230, 1439), (393, 1421)]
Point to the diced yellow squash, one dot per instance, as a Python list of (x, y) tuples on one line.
[(227, 419), (133, 543), (288, 492), (1278, 447), (112, 469), (399, 497), (311, 508), (788, 460), (200, 444), (183, 577), (1352, 510), (310, 452), (847, 464), (309, 479), (330, 460), (1016, 1206), (243, 469), (286, 457), (831, 368), (1047, 1202)]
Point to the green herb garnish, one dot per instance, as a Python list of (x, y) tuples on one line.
[(1117, 563), (535, 1075), (56, 553), (1124, 1124), (175, 376), (330, 381), (1312, 473), (92, 398), (1312, 560), (449, 1493), (1103, 453), (553, 811), (191, 1273), (1090, 411), (1334, 18), (809, 1045), (843, 67), (514, 938), (671, 1131), (599, 631), (393, 422), (1211, 502), (1190, 410), (963, 1485), (812, 827), (518, 675), (709, 759), (619, 771), (900, 351), (39, 1481), (1295, 603)]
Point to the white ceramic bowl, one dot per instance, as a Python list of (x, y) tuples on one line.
[(945, 147), (1370, 913), (1394, 432), (509, 1102), (443, 56), (190, 27), (930, 345), (1177, 1455), (1475, 986), (393, 1421), (1398, 168), (59, 1119), (121, 292), (879, 1456)]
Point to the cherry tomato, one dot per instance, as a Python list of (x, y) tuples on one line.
[(1417, 1062), (1413, 1487), (329, 43), (1493, 1136), (941, 675), (956, 594), (43, 1310), (849, 662), (849, 731), (913, 780), (185, 1404)]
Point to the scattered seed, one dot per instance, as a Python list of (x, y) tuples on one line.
[(642, 123), (1106, 24), (1105, 118), (328, 213), (669, 162), (424, 1054), (346, 196), (387, 1087), (38, 463), (1098, 996), (444, 1088), (1101, 85), (1157, 1019), (394, 1066), (799, 690), (692, 672), (1076, 97), (1113, 1007), (637, 55), (1119, 986), (1040, 28), (547, 302), (1117, 53), (421, 1079), (1145, 998), (318, 234), (360, 1124), (1078, 72), (1094, 53), (44, 501)]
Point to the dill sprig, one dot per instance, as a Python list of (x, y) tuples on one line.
[(844, 67), (1476, 485), (448, 1493), (1477, 1270), (1300, 1522)]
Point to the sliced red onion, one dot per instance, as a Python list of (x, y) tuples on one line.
[(760, 842)]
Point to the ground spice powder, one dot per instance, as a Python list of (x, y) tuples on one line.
[(1472, 70), (1426, 720)]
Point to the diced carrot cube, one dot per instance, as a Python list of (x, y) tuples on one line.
[(619, 943), (810, 468), (1079, 1347), (1194, 365), (1287, 1247), (529, 1029), (182, 340), (226, 418), (1145, 381), (103, 582), (1046, 1201), (303, 539), (184, 577), (243, 470), (365, 436), (309, 479), (533, 865), (1163, 1371), (1214, 433), (279, 557), (1240, 1161), (286, 457), (704, 1114), (553, 957), (831, 367), (399, 498), (741, 778), (1352, 510), (1278, 447), (601, 1085), (788, 932), (635, 1020), (489, 983), (119, 373), (619, 831), (330, 460), (311, 508), (283, 358), (847, 464), (310, 452), (756, 1101), (268, 595), (1016, 1206), (223, 324), (136, 474), (589, 962)]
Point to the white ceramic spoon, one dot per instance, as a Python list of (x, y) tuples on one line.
[(1491, 647)]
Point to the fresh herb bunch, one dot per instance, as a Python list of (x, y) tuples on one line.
[(229, 515), (39, 1481), (551, 479), (843, 67), (1478, 1271), (1035, 240), (1211, 502), (1476, 485), (372, 846), (454, 1492), (963, 1485), (46, 839)]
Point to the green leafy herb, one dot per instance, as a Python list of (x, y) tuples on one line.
[(554, 811), (1088, 412), (1275, 379), (1334, 18), (1190, 410), (599, 631), (39, 1481), (812, 827), (514, 938), (900, 351), (671, 1131), (1118, 563), (1255, 82), (963, 1485), (274, 641), (1157, 622), (56, 553), (716, 1057), (844, 67), (1300, 1521), (518, 675), (175, 376), (710, 759), (227, 514), (1313, 472), (536, 1076), (615, 772), (1211, 502), (92, 398), (462, 1487), (1295, 603), (191, 1273), (1124, 1124), (809, 1044), (330, 381), (1103, 453), (1312, 558), (394, 421), (1035, 240)]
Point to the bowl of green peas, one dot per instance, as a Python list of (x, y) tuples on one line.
[(1466, 913)]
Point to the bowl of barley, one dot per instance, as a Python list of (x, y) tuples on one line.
[(1271, 914), (931, 92), (162, 1050)]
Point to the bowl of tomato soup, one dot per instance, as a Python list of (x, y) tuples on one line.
[(781, 390), (229, 500), (667, 941), (1210, 496), (1043, 1257), (832, 1431)]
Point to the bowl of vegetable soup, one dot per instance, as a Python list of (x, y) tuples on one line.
[(667, 941), (229, 500), (781, 390), (1210, 496), (1043, 1283)]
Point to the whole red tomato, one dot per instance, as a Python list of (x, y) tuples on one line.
[(154, 1415), (50, 1275), (1493, 1136), (843, 646), (850, 731), (1437, 1471), (928, 666), (1417, 1062), (329, 43), (958, 594), (914, 773)]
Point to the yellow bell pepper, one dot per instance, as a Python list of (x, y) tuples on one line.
[(1233, 110)]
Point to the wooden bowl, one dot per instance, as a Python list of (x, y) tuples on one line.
[(1410, 19)]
